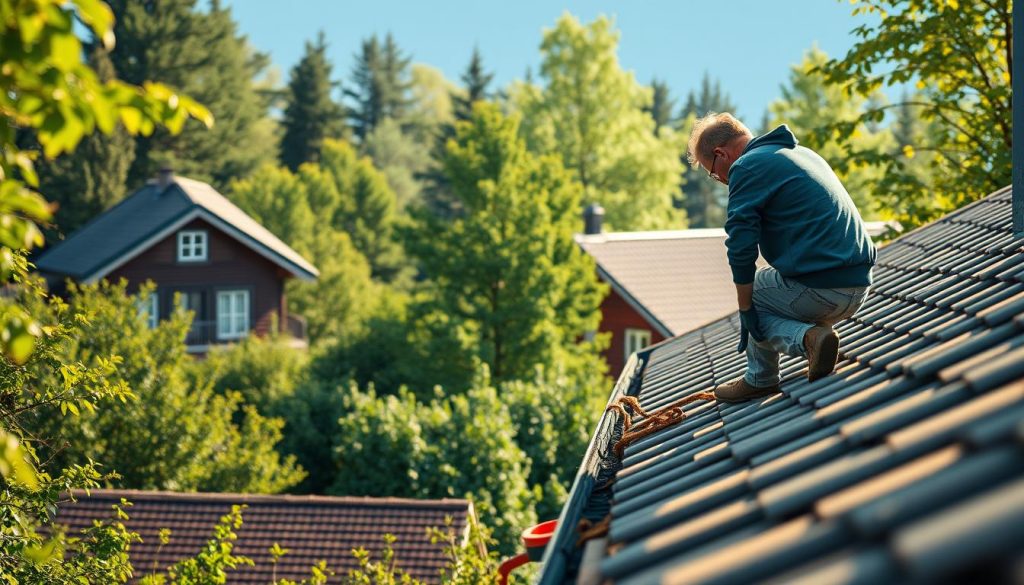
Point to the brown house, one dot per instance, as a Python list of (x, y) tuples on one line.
[(198, 248), (310, 528)]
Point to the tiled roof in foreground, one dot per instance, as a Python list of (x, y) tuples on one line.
[(906, 465), (312, 528)]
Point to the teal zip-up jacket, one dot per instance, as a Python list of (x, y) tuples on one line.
[(788, 201)]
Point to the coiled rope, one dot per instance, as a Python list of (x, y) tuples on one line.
[(652, 422)]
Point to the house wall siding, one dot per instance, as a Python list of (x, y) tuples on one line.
[(617, 316), (229, 265)]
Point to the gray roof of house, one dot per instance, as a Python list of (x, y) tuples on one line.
[(129, 228), (678, 280), (905, 465)]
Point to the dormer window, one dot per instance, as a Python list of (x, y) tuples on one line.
[(192, 246)]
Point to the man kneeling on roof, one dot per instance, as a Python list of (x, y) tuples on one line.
[(787, 201)]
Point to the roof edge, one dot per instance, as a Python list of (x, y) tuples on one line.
[(238, 498), (563, 541)]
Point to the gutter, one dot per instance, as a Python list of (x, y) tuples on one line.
[(562, 548)]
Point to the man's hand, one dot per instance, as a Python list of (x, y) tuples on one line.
[(745, 295), (749, 325)]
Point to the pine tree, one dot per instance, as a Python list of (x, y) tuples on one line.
[(91, 179), (396, 80), (380, 81), (310, 114), (368, 91), (703, 199), (661, 104), (474, 87), (200, 53), (437, 193)]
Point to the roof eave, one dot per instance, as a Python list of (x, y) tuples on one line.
[(304, 273), (563, 541)]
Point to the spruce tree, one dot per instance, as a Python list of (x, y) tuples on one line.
[(661, 104), (380, 85), (91, 179), (397, 82), (474, 87), (703, 199), (310, 114), (366, 89), (197, 51)]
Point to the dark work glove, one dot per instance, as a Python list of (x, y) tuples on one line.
[(749, 325)]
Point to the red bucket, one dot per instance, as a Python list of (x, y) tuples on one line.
[(536, 538)]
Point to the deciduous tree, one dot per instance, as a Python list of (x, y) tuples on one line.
[(591, 112), (959, 56)]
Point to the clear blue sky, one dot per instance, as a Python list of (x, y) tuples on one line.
[(748, 44)]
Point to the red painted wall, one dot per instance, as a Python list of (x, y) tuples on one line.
[(229, 264), (617, 316)]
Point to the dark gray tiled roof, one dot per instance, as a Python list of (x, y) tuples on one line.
[(123, 229), (906, 465)]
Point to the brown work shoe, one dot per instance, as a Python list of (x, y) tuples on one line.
[(822, 345), (739, 390)]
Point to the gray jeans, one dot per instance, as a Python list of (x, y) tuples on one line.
[(786, 309)]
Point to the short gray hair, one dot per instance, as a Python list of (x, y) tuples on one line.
[(712, 131)]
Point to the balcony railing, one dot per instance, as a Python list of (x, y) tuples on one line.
[(204, 333), (296, 326)]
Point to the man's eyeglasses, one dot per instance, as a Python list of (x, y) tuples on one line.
[(711, 170)]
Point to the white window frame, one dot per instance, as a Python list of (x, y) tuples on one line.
[(634, 340), (149, 307), (193, 245), (233, 307)]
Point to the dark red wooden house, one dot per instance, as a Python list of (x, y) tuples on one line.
[(198, 248)]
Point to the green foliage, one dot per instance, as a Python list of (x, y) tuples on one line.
[(334, 213), (380, 572), (703, 199), (508, 283), (196, 47), (469, 563), (592, 113), (192, 439), (811, 107), (310, 114), (91, 179), (47, 89), (400, 157), (213, 562), (958, 54), (453, 446)]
